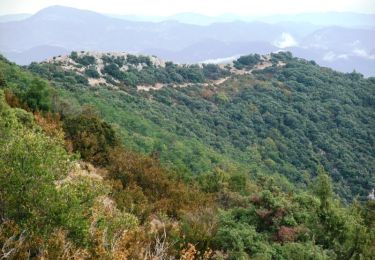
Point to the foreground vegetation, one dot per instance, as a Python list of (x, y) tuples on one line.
[(73, 185)]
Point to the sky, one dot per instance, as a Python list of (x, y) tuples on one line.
[(206, 7)]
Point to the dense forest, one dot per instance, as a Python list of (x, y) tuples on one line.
[(284, 120), (272, 163)]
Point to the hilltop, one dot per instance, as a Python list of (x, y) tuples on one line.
[(118, 70)]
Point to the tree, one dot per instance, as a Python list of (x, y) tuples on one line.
[(247, 61), (92, 72), (323, 188), (2, 80), (37, 96), (90, 136)]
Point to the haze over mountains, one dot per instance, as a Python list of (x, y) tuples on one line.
[(345, 19), (343, 41)]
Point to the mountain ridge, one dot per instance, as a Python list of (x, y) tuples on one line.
[(174, 40)]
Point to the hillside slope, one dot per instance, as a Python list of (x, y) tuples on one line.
[(277, 113), (69, 188)]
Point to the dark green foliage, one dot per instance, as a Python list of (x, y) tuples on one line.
[(2, 80), (136, 60), (119, 61), (283, 56), (150, 74), (74, 55), (33, 92), (237, 182), (80, 79), (247, 61), (214, 72), (37, 97), (191, 73), (303, 117), (129, 71), (113, 70), (286, 120), (90, 136), (129, 77), (300, 226), (84, 60), (51, 71), (91, 72)]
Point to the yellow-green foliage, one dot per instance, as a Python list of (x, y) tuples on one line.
[(40, 196)]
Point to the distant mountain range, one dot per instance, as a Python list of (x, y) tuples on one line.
[(346, 19), (343, 41), (13, 17)]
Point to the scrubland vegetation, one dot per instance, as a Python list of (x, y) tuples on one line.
[(275, 164)]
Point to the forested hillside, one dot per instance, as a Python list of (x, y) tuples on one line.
[(278, 114), (233, 166)]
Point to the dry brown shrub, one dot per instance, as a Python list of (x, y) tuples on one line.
[(289, 234), (59, 247), (188, 253), (11, 99), (163, 193), (50, 123)]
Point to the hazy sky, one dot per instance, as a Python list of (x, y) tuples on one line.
[(208, 7)]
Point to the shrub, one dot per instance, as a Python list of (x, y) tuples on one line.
[(91, 72), (90, 136)]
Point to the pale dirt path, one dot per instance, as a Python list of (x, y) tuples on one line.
[(158, 86)]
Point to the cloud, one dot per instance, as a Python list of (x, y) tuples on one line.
[(331, 56), (343, 56), (363, 53), (221, 60), (355, 43), (286, 40)]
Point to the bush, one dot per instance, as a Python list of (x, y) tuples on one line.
[(247, 61), (214, 72), (91, 72), (37, 97), (90, 136), (30, 163), (84, 60)]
